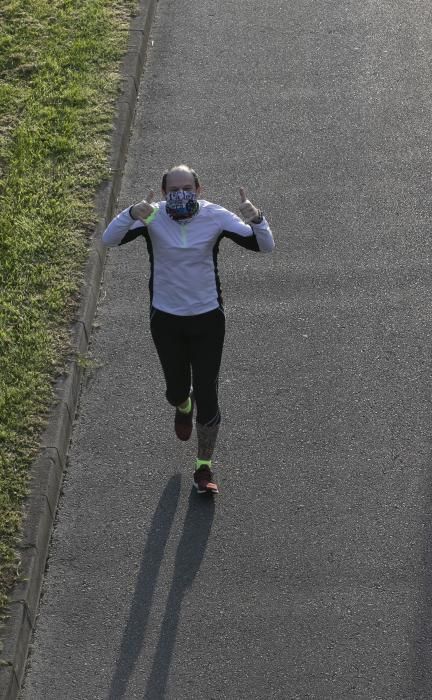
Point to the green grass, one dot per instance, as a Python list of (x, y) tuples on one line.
[(59, 65)]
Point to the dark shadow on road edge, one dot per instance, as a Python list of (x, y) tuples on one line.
[(421, 641), (189, 555), (134, 633)]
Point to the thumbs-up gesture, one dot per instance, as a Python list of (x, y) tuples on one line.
[(247, 209), (143, 209)]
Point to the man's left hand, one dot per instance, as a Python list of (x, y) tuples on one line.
[(247, 209)]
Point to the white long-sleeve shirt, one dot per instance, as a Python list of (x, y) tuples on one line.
[(184, 277)]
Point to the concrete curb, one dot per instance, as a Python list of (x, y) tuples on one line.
[(47, 470)]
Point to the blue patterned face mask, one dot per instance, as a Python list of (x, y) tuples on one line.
[(181, 204)]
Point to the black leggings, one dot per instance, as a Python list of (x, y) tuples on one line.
[(190, 351)]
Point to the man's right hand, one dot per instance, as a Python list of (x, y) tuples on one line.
[(143, 209)]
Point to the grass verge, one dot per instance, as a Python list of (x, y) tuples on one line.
[(59, 62)]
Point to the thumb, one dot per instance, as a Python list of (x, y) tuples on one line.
[(243, 197), (149, 197)]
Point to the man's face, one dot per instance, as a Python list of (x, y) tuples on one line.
[(181, 180)]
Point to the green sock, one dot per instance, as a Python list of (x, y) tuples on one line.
[(187, 408), (203, 462)]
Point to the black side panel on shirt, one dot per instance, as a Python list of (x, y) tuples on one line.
[(249, 242), (151, 259), (215, 263), (133, 233)]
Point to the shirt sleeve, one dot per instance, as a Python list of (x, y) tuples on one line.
[(123, 229), (256, 237)]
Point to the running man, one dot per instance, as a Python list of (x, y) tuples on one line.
[(187, 320)]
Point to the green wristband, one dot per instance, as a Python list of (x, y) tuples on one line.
[(151, 217)]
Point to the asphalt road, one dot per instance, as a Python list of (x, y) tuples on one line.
[(311, 575)]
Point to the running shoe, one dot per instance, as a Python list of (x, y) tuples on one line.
[(183, 422), (203, 481)]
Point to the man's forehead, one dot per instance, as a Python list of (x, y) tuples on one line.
[(180, 177)]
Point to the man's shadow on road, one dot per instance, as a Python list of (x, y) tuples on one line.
[(421, 637), (189, 555)]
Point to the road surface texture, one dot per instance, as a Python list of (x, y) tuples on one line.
[(310, 576)]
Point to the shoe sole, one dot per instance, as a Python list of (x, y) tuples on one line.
[(183, 437), (211, 491), (183, 430)]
